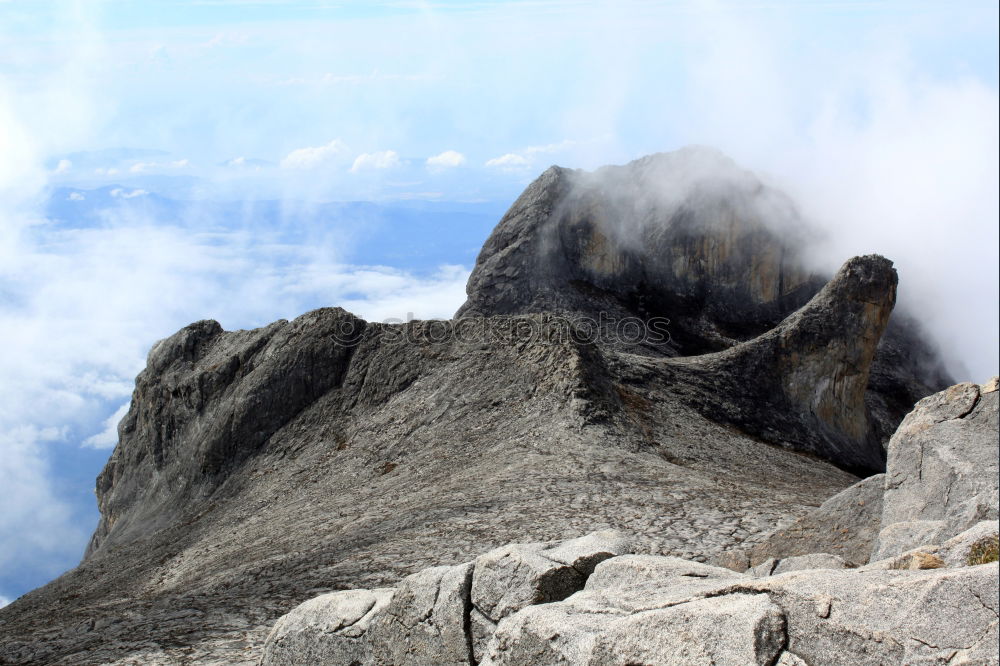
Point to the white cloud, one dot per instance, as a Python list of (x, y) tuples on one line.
[(119, 193), (63, 167), (143, 167), (508, 161), (386, 159), (108, 438), (4, 601), (236, 161), (76, 196), (447, 159), (312, 157), (525, 158), (110, 171)]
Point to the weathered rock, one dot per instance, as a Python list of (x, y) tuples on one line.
[(773, 567), (690, 237), (733, 629), (425, 621), (686, 235), (630, 571), (330, 629), (884, 617), (808, 375), (817, 616), (846, 525), (207, 400), (513, 577), (737, 559), (971, 545), (942, 474), (903, 536)]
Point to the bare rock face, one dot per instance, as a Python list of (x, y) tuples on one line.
[(691, 238), (686, 235), (808, 375), (817, 616), (441, 615), (208, 400), (942, 472)]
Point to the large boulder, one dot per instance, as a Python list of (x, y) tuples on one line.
[(513, 577), (815, 616), (330, 629), (942, 472), (425, 621), (440, 615)]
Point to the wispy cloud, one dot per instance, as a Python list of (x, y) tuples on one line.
[(142, 167), (119, 193), (509, 161), (312, 157), (386, 159), (447, 159)]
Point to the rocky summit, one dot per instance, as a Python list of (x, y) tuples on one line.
[(653, 434)]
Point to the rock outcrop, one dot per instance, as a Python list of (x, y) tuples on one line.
[(802, 384), (943, 471), (941, 483), (329, 629), (932, 604), (687, 237), (642, 609), (258, 469)]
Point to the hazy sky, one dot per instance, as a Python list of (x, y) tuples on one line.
[(123, 124)]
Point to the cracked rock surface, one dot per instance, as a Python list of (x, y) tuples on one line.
[(653, 610), (943, 469)]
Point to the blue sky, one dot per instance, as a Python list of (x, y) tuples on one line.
[(163, 162)]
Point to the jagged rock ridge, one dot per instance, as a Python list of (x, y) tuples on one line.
[(690, 237), (258, 468)]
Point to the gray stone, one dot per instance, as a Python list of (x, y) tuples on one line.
[(630, 571), (773, 567), (425, 621), (692, 237), (942, 474), (923, 557), (830, 617), (735, 629), (846, 525), (811, 561), (737, 559), (900, 537), (957, 551), (513, 577), (882, 617), (328, 629)]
